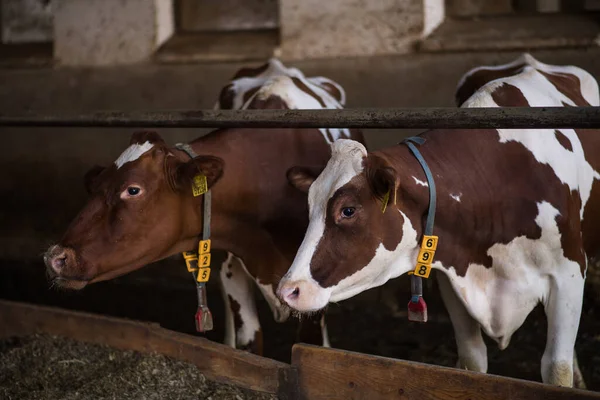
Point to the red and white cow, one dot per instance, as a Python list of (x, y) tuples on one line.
[(142, 210), (518, 215)]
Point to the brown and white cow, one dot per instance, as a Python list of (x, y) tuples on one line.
[(142, 210), (518, 216)]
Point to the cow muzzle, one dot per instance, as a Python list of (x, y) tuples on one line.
[(302, 295), (61, 267)]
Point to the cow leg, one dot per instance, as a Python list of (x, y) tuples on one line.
[(242, 327), (563, 310), (578, 380), (312, 329), (472, 352), (280, 313)]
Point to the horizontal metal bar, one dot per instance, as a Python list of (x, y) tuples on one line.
[(382, 118)]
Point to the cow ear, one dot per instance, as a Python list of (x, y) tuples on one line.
[(381, 176), (89, 179), (141, 137), (209, 166), (302, 177)]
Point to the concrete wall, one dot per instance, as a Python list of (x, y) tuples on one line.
[(317, 29), (26, 21), (110, 32), (41, 169)]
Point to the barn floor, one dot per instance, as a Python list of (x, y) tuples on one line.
[(373, 322), (44, 367)]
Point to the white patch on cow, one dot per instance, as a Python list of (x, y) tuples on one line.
[(570, 167), (501, 297), (280, 313), (456, 197), (239, 287), (345, 163), (420, 182), (132, 153), (276, 80), (588, 85)]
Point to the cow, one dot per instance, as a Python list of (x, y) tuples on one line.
[(142, 210), (517, 216)]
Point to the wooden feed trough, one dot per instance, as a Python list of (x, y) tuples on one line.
[(315, 372)]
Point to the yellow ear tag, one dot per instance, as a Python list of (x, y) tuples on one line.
[(199, 185), (385, 200)]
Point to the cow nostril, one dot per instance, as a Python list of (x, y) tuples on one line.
[(296, 292), (59, 262)]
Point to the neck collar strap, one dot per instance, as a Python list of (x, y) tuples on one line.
[(417, 308), (198, 262)]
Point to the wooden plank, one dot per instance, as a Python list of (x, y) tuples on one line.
[(382, 118), (216, 361), (336, 374)]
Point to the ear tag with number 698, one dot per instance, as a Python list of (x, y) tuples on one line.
[(199, 185)]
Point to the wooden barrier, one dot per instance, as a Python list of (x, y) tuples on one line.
[(316, 373), (333, 374)]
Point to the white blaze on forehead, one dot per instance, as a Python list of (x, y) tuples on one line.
[(345, 163), (132, 153)]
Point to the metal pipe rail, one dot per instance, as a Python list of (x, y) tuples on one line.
[(379, 118)]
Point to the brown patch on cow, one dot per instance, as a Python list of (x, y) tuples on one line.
[(249, 94), (255, 346), (567, 84), (563, 140), (273, 102), (480, 78), (308, 91), (248, 72), (504, 185), (590, 141), (508, 95), (226, 97), (569, 226), (235, 309), (332, 90)]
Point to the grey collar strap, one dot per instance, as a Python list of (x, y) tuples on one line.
[(206, 211)]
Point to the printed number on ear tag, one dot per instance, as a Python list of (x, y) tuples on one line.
[(422, 270), (203, 275), (199, 185), (429, 243), (205, 260), (191, 264), (425, 256), (204, 247)]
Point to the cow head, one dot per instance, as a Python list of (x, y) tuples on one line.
[(350, 244), (141, 209)]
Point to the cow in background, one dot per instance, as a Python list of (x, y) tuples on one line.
[(142, 209), (518, 217)]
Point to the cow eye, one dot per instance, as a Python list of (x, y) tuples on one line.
[(348, 212), (131, 191)]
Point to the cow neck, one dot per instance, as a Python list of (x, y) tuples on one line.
[(417, 308), (198, 262)]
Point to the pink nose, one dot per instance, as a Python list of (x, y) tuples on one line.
[(289, 293), (59, 258)]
